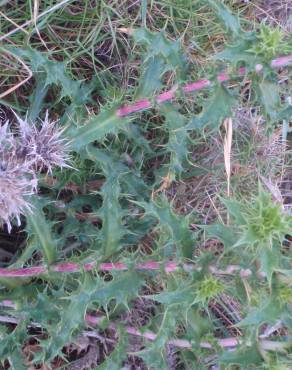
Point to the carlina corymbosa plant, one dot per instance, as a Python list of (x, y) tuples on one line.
[(122, 244)]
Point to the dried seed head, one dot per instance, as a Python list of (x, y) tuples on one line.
[(44, 146), (17, 182)]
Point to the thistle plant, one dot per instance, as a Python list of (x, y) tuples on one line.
[(108, 255)]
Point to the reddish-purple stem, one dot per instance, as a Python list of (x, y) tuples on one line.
[(149, 335), (165, 96), (193, 86), (182, 343), (282, 62), (231, 342), (68, 267), (71, 267), (23, 272), (135, 107)]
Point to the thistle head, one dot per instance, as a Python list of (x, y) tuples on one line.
[(43, 146), (17, 182)]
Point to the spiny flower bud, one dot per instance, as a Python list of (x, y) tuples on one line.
[(43, 146)]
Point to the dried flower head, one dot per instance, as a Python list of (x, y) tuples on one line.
[(21, 156), (43, 146), (17, 182)]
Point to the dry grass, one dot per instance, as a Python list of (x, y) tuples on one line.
[(274, 12), (254, 155)]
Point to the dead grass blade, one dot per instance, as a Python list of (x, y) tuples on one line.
[(227, 151), (15, 87)]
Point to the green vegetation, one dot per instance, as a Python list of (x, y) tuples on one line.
[(144, 185)]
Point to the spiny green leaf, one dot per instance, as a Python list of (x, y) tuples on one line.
[(118, 355), (150, 80), (230, 21), (200, 290), (72, 320), (37, 98), (13, 283), (269, 260), (154, 357), (269, 94), (197, 324), (217, 108), (266, 313), (227, 234), (161, 55), (178, 140), (176, 226), (121, 289), (111, 213), (265, 222), (41, 228), (92, 290), (133, 185), (245, 357), (239, 52), (134, 133), (55, 73), (183, 296), (12, 342), (42, 307), (235, 210), (96, 128), (252, 47), (155, 354)]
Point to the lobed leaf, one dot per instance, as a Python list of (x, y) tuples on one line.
[(175, 226), (215, 110), (38, 225), (95, 129), (178, 140), (230, 21)]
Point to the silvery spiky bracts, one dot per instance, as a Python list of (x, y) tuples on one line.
[(21, 156), (17, 182), (43, 146), (7, 140)]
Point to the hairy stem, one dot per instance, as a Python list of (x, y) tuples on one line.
[(193, 86), (73, 267), (230, 342)]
